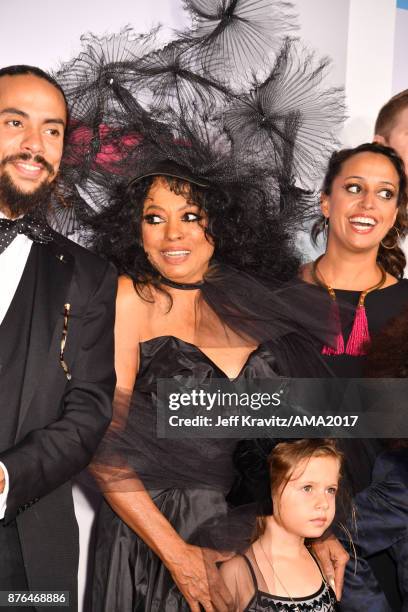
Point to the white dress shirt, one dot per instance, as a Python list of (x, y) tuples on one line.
[(12, 264)]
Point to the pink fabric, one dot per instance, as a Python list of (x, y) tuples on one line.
[(112, 149), (360, 336)]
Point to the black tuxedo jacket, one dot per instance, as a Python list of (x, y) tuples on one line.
[(61, 417)]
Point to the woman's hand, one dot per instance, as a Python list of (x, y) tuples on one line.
[(196, 575), (333, 560)]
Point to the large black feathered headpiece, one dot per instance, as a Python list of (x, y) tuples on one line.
[(233, 102)]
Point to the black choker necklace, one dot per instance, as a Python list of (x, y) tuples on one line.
[(185, 286)]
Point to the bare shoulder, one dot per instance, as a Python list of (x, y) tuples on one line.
[(128, 298), (132, 311), (126, 288)]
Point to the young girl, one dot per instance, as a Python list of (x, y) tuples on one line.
[(278, 572)]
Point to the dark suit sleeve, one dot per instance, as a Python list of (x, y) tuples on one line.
[(46, 458)]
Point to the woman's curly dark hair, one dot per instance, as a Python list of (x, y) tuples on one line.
[(246, 233), (390, 256)]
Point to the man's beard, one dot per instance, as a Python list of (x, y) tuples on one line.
[(18, 202)]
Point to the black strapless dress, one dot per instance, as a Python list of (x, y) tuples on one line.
[(129, 577)]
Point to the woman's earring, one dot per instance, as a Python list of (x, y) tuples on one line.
[(326, 228), (389, 248)]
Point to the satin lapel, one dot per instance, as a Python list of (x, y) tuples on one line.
[(54, 273)]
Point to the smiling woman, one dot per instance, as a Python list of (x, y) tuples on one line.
[(173, 234), (184, 171), (364, 194), (364, 215), (363, 203), (181, 313)]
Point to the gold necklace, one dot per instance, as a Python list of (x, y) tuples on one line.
[(359, 336)]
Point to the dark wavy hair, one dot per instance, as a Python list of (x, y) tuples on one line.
[(246, 233), (390, 255)]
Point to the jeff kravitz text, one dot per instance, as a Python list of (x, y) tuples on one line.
[(235, 420)]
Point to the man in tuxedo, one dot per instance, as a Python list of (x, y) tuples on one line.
[(56, 346)]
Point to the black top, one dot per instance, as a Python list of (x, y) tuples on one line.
[(323, 600), (381, 306)]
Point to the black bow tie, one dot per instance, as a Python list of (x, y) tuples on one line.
[(34, 228)]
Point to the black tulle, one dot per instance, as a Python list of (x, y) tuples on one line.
[(232, 309), (187, 479), (233, 103), (233, 37), (232, 100)]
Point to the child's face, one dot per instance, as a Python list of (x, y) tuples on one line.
[(307, 504)]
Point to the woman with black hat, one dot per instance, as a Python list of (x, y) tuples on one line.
[(189, 175)]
